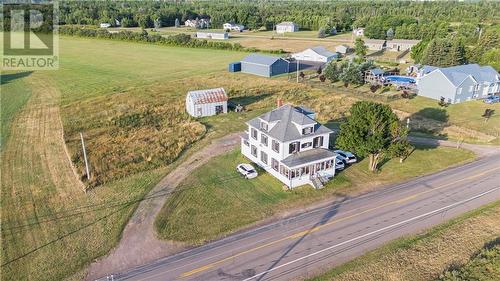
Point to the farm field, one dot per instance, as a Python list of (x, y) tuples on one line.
[(15, 93), (226, 202), (427, 255), (101, 89)]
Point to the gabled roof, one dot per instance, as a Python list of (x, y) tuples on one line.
[(374, 41), (208, 96), (289, 23), (457, 74), (376, 71), (308, 156), (261, 59), (286, 117), (320, 50), (403, 41)]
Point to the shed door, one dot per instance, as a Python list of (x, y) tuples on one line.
[(199, 111)]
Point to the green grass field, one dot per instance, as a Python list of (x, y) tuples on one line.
[(15, 93), (215, 200), (445, 248)]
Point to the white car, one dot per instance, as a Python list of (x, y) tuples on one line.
[(247, 170), (339, 164), (346, 156)]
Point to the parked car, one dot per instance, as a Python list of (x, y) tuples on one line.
[(247, 170), (346, 156), (339, 164), (492, 99)]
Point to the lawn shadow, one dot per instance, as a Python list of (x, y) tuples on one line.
[(7, 78), (430, 121)]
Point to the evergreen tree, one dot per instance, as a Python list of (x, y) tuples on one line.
[(177, 22), (321, 33), (390, 34), (360, 48), (456, 53)]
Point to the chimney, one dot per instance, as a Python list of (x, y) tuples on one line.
[(279, 102)]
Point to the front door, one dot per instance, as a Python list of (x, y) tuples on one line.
[(219, 109)]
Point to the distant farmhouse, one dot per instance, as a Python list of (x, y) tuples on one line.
[(206, 102), (212, 35), (360, 31), (399, 45), (286, 26), (375, 44), (290, 145), (342, 49), (263, 65), (458, 83), (104, 25), (233, 26), (197, 23), (316, 54)]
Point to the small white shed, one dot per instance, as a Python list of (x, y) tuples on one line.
[(206, 102)]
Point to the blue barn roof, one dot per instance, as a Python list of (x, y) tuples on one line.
[(261, 59)]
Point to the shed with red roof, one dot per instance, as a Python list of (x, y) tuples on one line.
[(207, 102)]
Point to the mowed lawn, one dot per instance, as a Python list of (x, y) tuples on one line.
[(15, 93), (51, 228), (215, 200)]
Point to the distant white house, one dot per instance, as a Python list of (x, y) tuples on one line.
[(316, 54), (212, 35), (458, 83), (105, 25), (375, 44), (400, 45), (233, 26), (286, 26), (342, 49), (360, 31), (291, 146), (197, 23), (206, 102)]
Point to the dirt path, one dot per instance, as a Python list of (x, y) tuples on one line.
[(139, 244)]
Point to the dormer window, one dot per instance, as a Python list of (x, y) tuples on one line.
[(307, 130), (264, 126)]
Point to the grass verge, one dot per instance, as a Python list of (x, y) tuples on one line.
[(215, 200), (424, 256)]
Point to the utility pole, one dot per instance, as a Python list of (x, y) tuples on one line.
[(408, 123), (85, 157)]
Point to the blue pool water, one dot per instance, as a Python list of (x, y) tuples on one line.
[(400, 79)]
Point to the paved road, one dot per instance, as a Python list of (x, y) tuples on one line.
[(302, 245)]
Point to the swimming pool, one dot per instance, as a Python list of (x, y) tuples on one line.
[(400, 79)]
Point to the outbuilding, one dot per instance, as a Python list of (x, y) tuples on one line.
[(212, 35), (287, 26), (206, 102), (263, 65), (342, 49), (316, 54)]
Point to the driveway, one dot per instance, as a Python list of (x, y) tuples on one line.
[(139, 244)]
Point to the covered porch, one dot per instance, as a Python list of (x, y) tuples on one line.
[(314, 167)]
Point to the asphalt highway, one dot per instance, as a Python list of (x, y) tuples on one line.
[(305, 244)]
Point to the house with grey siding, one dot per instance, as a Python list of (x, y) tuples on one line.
[(459, 83), (290, 145), (263, 65)]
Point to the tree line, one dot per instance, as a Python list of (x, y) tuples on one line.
[(408, 20)]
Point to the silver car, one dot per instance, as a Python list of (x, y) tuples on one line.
[(346, 156)]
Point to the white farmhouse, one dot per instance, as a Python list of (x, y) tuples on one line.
[(360, 31), (286, 26), (316, 54), (233, 26), (206, 102), (291, 145)]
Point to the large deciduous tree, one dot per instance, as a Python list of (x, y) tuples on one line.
[(360, 48), (374, 131)]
